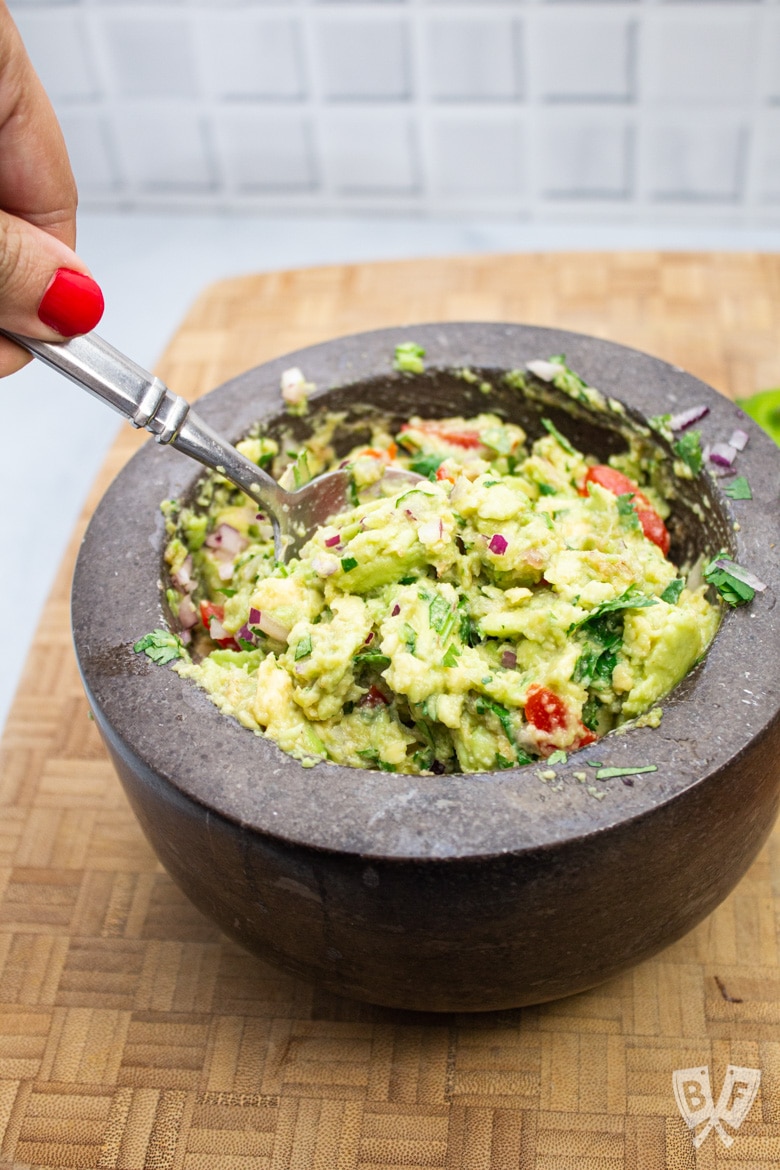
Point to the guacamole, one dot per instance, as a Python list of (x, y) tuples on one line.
[(516, 602)]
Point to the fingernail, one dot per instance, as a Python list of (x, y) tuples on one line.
[(73, 303)]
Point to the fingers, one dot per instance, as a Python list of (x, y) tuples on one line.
[(45, 289)]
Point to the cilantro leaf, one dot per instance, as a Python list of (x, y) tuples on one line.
[(562, 441), (303, 648), (688, 448), (671, 593), (348, 564), (410, 637), (161, 646), (627, 510), (452, 655), (633, 598), (611, 773), (733, 591), (373, 657), (738, 489), (427, 465)]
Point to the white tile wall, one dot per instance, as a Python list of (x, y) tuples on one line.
[(628, 109)]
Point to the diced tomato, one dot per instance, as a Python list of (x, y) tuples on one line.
[(546, 710), (209, 610), (374, 698), (443, 473), (467, 439), (620, 485)]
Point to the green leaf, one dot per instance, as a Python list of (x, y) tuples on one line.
[(162, 646), (627, 510), (502, 762), (633, 598), (590, 713), (688, 448), (557, 757), (427, 465), (733, 591), (374, 658), (545, 489), (764, 408), (348, 564), (671, 593), (304, 647), (410, 637), (562, 441), (440, 613), (738, 489), (452, 655), (611, 773), (408, 358)]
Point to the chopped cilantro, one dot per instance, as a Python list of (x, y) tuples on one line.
[(348, 564), (410, 637), (408, 358), (594, 763), (633, 598), (671, 593), (373, 658), (733, 591), (407, 580), (546, 489), (469, 630), (452, 655), (562, 441), (485, 706), (161, 646), (557, 757), (688, 448), (611, 773), (627, 510), (502, 762), (738, 489), (441, 616), (427, 465), (304, 647), (515, 379), (590, 713), (301, 472), (372, 756)]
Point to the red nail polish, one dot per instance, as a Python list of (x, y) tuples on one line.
[(72, 303)]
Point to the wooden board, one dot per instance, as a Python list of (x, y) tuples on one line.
[(133, 1035)]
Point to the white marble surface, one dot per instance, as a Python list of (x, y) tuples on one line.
[(151, 267)]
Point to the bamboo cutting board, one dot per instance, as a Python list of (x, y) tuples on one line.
[(132, 1034)]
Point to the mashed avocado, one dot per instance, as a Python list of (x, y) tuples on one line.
[(516, 602)]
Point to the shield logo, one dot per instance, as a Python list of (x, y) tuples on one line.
[(693, 1094)]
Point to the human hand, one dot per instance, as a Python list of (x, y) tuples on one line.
[(45, 289)]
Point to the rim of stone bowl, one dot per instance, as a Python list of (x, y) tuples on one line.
[(167, 726)]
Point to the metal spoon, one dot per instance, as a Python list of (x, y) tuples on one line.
[(147, 402)]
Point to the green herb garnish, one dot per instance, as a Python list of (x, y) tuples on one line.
[(452, 655), (374, 658), (627, 510), (161, 646), (304, 647), (611, 773), (551, 428), (688, 448), (348, 564), (738, 489), (410, 637), (732, 589), (557, 757), (671, 593), (427, 465)]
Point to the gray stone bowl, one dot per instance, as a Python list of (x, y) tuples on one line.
[(447, 893)]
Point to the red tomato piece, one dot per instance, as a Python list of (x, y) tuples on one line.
[(620, 485), (546, 710), (467, 439), (209, 610)]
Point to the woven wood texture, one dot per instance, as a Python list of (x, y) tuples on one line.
[(133, 1035)]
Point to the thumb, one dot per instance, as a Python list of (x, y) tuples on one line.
[(45, 289)]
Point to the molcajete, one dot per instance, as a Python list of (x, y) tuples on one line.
[(459, 892)]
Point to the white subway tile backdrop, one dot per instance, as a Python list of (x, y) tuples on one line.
[(629, 109)]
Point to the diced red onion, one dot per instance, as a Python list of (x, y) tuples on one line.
[(228, 539), (268, 625), (182, 578), (225, 570), (741, 574), (723, 454), (498, 544), (332, 541), (739, 439), (408, 512), (396, 611), (186, 637), (217, 631), (188, 615), (260, 516), (509, 659), (686, 418), (246, 635), (369, 638)]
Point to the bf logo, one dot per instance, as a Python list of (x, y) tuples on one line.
[(694, 1100)]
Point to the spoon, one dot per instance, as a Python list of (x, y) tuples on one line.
[(147, 402)]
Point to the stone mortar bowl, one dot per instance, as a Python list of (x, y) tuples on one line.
[(447, 893)]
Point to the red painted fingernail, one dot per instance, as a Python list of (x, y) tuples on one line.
[(72, 303)]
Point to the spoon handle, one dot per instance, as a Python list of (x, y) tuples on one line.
[(147, 402)]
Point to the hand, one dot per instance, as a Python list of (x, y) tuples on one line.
[(45, 289)]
